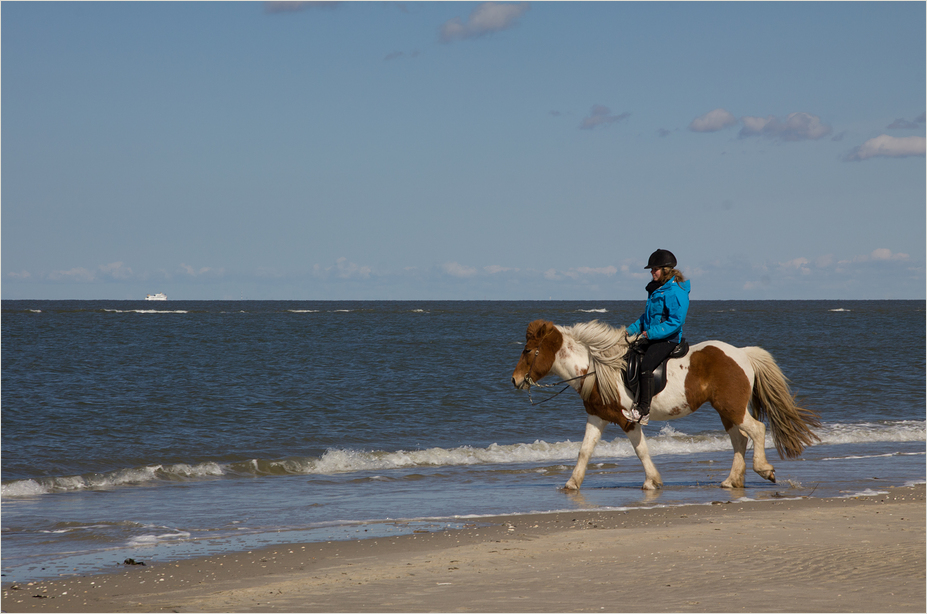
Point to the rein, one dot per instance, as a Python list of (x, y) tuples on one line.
[(532, 384)]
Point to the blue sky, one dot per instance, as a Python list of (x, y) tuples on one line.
[(462, 150)]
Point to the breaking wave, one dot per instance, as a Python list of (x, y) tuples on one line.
[(666, 442)]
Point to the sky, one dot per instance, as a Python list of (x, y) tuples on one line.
[(444, 150)]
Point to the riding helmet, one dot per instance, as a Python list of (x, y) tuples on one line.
[(661, 258)]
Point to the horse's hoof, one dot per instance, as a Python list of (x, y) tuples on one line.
[(570, 486), (648, 485), (769, 475)]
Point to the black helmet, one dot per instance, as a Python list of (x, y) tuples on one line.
[(660, 259)]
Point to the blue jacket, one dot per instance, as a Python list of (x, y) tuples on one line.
[(665, 312)]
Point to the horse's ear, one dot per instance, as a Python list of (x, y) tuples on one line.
[(537, 329)]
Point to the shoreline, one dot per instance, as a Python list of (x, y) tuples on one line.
[(865, 553)]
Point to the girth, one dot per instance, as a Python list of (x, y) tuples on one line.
[(633, 372)]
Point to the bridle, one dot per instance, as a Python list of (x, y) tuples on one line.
[(528, 381)]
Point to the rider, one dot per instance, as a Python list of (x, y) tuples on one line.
[(660, 326)]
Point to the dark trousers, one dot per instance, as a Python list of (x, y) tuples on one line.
[(655, 353)]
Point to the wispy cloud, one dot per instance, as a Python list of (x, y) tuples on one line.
[(116, 270), (601, 116), (903, 124), (580, 273), (795, 127), (291, 7), (106, 272), (79, 274), (828, 265), (715, 120), (886, 146), (200, 272), (456, 269), (342, 269), (486, 18)]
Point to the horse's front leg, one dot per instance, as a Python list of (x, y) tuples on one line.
[(595, 426), (652, 479)]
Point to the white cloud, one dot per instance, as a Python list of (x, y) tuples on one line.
[(347, 270), (486, 18), (796, 127), (889, 147), (79, 274), (827, 262), (284, 6), (116, 270), (577, 273), (601, 116), (495, 268), (881, 254), (20, 275), (458, 270), (192, 272), (713, 121), (343, 269), (798, 264)]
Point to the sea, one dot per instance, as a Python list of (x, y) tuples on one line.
[(157, 431)]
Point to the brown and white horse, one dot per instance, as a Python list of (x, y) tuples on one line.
[(743, 384)]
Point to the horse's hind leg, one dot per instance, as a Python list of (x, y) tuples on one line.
[(739, 468), (756, 431)]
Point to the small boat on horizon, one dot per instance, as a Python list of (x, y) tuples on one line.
[(160, 296)]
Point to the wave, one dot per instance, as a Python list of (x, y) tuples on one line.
[(146, 310), (667, 442), (593, 310)]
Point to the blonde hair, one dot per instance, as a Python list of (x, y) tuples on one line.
[(667, 273)]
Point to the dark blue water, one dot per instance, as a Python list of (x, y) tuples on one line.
[(173, 428)]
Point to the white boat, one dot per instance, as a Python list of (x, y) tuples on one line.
[(160, 296)]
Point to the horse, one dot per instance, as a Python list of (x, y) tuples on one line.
[(744, 385)]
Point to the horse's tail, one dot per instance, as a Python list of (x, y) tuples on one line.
[(790, 424)]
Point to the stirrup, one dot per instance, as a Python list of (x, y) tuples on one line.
[(634, 415)]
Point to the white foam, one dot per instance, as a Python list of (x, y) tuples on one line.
[(593, 310), (153, 540), (866, 493), (121, 477), (666, 442), (146, 311)]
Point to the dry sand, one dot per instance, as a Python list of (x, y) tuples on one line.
[(864, 554)]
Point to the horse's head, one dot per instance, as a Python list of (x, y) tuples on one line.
[(542, 342)]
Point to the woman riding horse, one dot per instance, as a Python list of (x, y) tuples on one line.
[(660, 326)]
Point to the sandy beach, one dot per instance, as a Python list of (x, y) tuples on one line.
[(861, 554)]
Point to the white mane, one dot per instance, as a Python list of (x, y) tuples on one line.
[(608, 349)]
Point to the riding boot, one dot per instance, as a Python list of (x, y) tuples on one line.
[(644, 397)]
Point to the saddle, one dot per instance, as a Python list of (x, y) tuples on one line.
[(632, 373)]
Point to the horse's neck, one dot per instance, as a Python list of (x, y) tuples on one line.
[(575, 359), (572, 361)]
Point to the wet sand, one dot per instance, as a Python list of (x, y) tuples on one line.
[(863, 554)]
